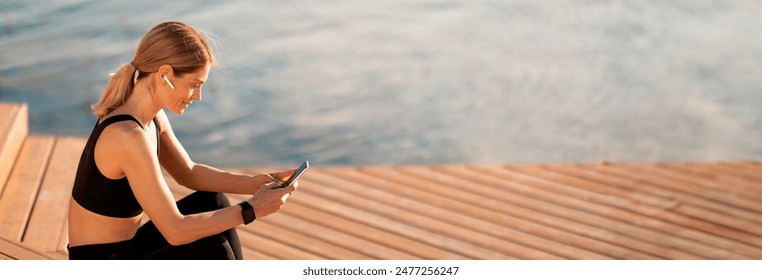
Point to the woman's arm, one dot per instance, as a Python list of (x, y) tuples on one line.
[(196, 176), (140, 164)]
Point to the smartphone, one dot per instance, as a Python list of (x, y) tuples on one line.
[(299, 171)]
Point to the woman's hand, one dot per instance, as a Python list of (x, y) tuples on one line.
[(269, 198), (282, 176)]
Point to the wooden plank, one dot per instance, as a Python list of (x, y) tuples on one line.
[(513, 215), (15, 251), (256, 255), (387, 245), (732, 232), (22, 187), (736, 221), (598, 175), (374, 220), (337, 238), (392, 218), (565, 214), (696, 241), (58, 255), (751, 171), (13, 131), (303, 242), (63, 241), (48, 216), (405, 196), (725, 175), (644, 177), (688, 183), (401, 236), (643, 228), (253, 240), (745, 230)]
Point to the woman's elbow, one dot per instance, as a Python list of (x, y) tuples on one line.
[(175, 238), (174, 235), (170, 235), (177, 242)]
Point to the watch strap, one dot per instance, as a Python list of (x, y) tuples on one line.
[(247, 212)]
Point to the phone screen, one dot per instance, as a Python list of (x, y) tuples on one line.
[(296, 175)]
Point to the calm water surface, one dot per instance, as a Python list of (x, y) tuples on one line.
[(408, 82)]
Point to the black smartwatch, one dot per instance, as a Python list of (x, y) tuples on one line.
[(247, 212)]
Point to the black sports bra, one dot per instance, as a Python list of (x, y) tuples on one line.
[(95, 192)]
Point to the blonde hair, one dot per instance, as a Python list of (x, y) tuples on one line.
[(171, 43)]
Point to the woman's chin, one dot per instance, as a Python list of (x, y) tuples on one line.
[(178, 111)]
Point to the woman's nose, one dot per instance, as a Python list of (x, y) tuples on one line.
[(197, 95)]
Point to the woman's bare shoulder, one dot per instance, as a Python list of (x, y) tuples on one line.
[(119, 145), (123, 135)]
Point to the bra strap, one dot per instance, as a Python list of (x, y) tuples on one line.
[(119, 118)]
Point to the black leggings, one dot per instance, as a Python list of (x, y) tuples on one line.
[(148, 242)]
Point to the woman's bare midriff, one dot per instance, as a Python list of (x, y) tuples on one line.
[(86, 227)]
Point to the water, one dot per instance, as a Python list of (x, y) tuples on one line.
[(417, 82)]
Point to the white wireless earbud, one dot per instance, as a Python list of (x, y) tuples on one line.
[(166, 79)]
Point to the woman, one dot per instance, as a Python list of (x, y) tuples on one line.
[(119, 176)]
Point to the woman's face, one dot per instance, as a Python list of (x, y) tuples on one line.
[(188, 88)]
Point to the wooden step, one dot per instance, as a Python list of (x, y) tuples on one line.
[(11, 250), (24, 182), (46, 230), (13, 131)]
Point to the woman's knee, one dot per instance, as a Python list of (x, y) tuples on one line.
[(214, 247), (202, 201)]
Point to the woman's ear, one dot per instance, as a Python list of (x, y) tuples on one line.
[(165, 76)]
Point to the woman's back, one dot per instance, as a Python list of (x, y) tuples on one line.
[(101, 202)]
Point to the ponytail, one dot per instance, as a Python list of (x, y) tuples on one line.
[(117, 91)]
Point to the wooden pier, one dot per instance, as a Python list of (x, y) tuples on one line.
[(710, 210)]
